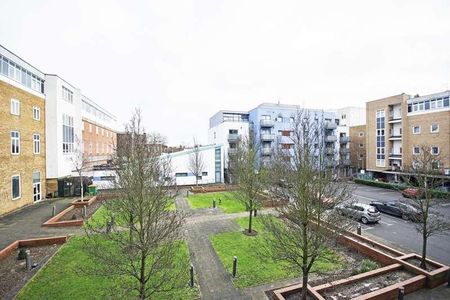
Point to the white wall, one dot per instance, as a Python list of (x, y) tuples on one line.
[(221, 135), (354, 116), (180, 164)]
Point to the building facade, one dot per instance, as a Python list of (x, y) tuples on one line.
[(22, 133), (357, 135), (398, 126)]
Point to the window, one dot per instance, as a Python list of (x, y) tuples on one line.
[(68, 134), (361, 145), (279, 119), (265, 117), (96, 148), (107, 133), (96, 129), (36, 143), (103, 132), (15, 187), (361, 134), (416, 130), (67, 94), (380, 138), (15, 142), (434, 128), (435, 165), (204, 173), (21, 75), (291, 119), (416, 150), (15, 107), (435, 150), (36, 113), (181, 174)]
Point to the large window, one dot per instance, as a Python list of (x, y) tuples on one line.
[(431, 104), (21, 75), (68, 134), (67, 94), (15, 107), (15, 187), (435, 150), (15, 142), (380, 134), (36, 143)]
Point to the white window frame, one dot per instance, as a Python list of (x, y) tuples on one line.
[(361, 134), (15, 107), (414, 150), (36, 113), (438, 150), (67, 94), (431, 128), (36, 142), (413, 129), (13, 139), (20, 187)]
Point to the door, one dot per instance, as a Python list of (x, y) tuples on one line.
[(36, 186)]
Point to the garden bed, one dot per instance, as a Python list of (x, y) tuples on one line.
[(86, 201), (13, 272), (77, 212), (73, 215)]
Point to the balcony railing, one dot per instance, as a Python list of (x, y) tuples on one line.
[(233, 137), (267, 137), (330, 125), (266, 123), (344, 139), (395, 156), (266, 151), (395, 137), (330, 138)]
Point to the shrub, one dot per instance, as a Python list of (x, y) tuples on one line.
[(366, 266), (386, 185), (22, 254)]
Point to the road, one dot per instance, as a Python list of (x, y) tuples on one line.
[(400, 232)]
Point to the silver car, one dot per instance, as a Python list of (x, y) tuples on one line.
[(360, 211)]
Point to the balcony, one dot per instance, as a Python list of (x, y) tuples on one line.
[(330, 125), (266, 151), (395, 137), (330, 138), (344, 150), (395, 156), (393, 120), (344, 139), (266, 123), (267, 137), (233, 137)]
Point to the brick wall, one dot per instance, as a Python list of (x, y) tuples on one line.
[(357, 153), (99, 142), (25, 163)]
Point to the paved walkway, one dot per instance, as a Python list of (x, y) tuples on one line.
[(27, 222)]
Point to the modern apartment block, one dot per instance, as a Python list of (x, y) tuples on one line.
[(347, 118), (272, 126), (398, 126), (357, 135), (22, 133)]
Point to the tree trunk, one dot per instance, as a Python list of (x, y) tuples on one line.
[(142, 279), (424, 251), (304, 286), (82, 192), (250, 222)]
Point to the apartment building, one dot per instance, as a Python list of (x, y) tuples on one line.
[(357, 135), (272, 126), (347, 117), (99, 133), (399, 125), (22, 133)]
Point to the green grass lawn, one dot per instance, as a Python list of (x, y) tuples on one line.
[(228, 204), (62, 278), (253, 267)]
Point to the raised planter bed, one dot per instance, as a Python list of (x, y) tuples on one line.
[(13, 272), (73, 215), (86, 201), (212, 188)]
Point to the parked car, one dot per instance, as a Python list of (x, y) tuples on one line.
[(360, 211), (397, 208), (413, 193)]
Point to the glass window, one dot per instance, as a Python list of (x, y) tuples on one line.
[(36, 143), (446, 102), (435, 150), (434, 128), (15, 186), (68, 134), (416, 130), (15, 142), (15, 107), (416, 150), (67, 94), (36, 113)]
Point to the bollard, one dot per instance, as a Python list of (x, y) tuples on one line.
[(108, 227), (54, 211), (234, 266), (220, 201), (358, 229), (254, 213), (28, 260), (187, 193), (214, 202), (84, 212), (191, 283), (401, 293)]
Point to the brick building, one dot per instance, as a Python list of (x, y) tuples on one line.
[(22, 133), (358, 147)]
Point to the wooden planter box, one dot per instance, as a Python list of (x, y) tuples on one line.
[(78, 203), (31, 243), (55, 221)]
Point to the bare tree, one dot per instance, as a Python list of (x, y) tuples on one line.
[(80, 163), (303, 175), (249, 175), (141, 239), (423, 177), (196, 162)]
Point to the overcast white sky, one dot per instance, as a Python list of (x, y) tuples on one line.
[(181, 61)]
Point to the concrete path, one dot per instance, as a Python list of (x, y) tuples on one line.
[(27, 222)]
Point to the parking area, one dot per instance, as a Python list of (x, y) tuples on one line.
[(400, 232)]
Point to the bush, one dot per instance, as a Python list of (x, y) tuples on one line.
[(22, 254), (386, 185)]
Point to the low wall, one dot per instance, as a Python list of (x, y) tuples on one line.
[(54, 221), (31, 243)]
